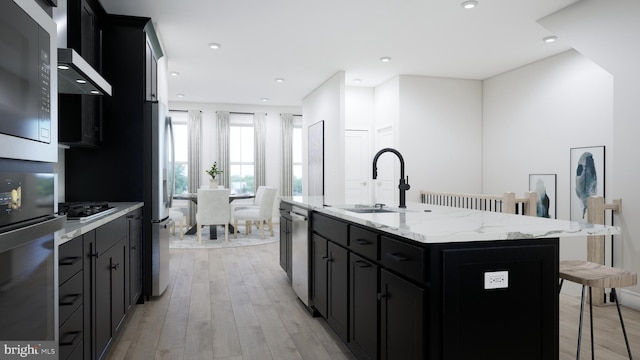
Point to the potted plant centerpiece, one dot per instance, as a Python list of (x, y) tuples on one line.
[(214, 172)]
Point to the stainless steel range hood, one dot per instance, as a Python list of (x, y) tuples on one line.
[(76, 76)]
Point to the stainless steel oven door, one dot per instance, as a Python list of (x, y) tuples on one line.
[(28, 282)]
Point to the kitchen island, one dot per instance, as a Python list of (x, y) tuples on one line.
[(432, 282)]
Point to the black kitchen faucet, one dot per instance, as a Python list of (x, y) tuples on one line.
[(404, 184)]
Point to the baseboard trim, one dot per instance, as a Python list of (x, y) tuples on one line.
[(630, 298)]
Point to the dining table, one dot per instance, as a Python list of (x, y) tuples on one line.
[(212, 228)]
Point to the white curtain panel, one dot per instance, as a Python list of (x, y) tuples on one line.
[(222, 125), (259, 135), (195, 131), (286, 183)]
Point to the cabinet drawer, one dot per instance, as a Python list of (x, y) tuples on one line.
[(69, 259), (110, 233), (334, 230), (70, 297), (71, 334), (364, 242), (405, 259)]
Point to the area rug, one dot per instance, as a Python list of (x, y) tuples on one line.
[(191, 241)]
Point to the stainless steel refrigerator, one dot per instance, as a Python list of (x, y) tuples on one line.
[(162, 185)]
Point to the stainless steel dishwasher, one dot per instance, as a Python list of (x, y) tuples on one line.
[(300, 253)]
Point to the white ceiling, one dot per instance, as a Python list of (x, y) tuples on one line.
[(306, 42)]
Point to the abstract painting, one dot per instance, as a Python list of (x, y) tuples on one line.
[(587, 179), (544, 185)]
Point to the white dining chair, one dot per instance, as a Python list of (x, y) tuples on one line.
[(253, 202), (260, 213), (213, 209)]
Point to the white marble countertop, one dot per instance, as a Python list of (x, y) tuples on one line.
[(432, 224), (75, 228)]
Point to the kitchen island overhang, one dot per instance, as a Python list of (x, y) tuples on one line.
[(457, 280)]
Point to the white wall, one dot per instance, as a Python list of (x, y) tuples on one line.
[(606, 32), (533, 116), (359, 113), (439, 134), (327, 102)]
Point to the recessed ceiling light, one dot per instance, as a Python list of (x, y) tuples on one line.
[(175, 73), (385, 59), (469, 4), (264, 99), (180, 95), (215, 46), (80, 81), (550, 39), (357, 81), (279, 80)]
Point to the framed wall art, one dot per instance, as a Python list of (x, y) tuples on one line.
[(587, 179), (316, 159), (544, 185)]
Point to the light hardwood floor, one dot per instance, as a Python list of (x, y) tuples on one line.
[(236, 304)]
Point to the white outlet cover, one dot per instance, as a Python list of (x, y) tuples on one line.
[(496, 280)]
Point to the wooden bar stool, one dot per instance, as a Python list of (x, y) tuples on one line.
[(598, 276)]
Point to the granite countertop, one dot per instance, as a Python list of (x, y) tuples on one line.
[(432, 224), (75, 228)]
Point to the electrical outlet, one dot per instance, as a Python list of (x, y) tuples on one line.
[(496, 280)]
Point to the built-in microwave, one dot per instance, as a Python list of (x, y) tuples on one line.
[(28, 82)]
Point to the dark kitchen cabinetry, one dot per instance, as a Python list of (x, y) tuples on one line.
[(285, 238), (363, 307), (96, 278), (337, 289), (401, 318), (396, 290), (318, 270), (151, 68), (135, 256), (80, 116)]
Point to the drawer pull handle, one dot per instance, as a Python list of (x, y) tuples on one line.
[(382, 296), (70, 260), (396, 257), (73, 335), (362, 264), (70, 299), (115, 266), (362, 241)]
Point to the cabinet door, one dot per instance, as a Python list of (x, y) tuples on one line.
[(89, 288), (338, 289), (151, 74), (319, 273), (363, 307), (135, 258), (401, 318), (102, 302), (110, 298), (284, 231)]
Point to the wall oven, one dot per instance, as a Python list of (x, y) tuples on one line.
[(28, 257), (28, 82)]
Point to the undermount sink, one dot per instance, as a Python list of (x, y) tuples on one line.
[(371, 210)]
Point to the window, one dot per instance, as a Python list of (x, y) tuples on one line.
[(241, 154), (296, 149), (180, 120)]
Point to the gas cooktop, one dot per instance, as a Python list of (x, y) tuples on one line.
[(85, 210)]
